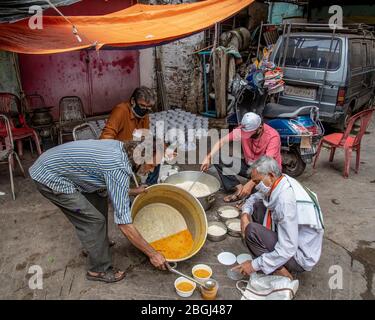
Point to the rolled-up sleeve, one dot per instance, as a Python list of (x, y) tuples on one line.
[(117, 182), (287, 242), (248, 206)]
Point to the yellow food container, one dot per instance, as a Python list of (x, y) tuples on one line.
[(189, 207)]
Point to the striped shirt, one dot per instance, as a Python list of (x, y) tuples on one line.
[(88, 166)]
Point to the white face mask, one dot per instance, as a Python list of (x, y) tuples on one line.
[(262, 188)]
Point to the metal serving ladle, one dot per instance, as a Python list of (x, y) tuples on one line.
[(208, 284)]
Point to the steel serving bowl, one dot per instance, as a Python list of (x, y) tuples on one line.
[(216, 238), (232, 232), (222, 208)]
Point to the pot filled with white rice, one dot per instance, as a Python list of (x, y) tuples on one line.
[(201, 185)]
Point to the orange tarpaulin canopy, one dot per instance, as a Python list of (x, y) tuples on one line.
[(139, 25)]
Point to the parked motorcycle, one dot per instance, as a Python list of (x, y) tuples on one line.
[(300, 131), (300, 128)]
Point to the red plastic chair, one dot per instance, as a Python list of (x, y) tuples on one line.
[(7, 153), (10, 105), (347, 140)]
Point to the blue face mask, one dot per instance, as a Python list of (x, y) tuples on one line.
[(262, 188)]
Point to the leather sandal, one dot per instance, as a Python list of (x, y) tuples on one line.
[(108, 276)]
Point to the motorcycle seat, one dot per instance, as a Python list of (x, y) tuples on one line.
[(275, 110)]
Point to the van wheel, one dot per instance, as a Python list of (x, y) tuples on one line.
[(293, 165)]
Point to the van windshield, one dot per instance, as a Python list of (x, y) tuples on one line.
[(311, 52)]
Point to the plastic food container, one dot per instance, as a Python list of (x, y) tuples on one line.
[(202, 267), (184, 294)]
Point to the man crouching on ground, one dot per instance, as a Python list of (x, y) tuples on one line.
[(282, 223), (76, 177)]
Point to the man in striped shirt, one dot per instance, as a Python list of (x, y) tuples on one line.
[(74, 176)]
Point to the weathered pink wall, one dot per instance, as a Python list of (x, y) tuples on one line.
[(101, 79)]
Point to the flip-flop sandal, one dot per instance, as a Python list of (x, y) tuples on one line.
[(85, 253), (108, 277)]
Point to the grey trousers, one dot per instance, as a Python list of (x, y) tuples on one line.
[(88, 212), (261, 240)]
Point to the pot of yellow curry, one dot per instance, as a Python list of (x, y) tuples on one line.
[(172, 220)]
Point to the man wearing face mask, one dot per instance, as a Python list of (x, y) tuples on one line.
[(257, 139), (282, 223), (130, 116)]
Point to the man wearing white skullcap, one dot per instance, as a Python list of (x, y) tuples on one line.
[(257, 139)]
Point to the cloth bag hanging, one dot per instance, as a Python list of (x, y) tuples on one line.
[(267, 287)]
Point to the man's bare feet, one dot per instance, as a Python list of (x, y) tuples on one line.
[(284, 273)]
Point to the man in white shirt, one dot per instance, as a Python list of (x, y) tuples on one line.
[(282, 223)]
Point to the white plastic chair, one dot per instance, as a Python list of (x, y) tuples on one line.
[(85, 131)]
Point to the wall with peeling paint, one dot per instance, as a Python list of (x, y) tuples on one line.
[(183, 73), (101, 82), (8, 79), (101, 79), (280, 10), (182, 68)]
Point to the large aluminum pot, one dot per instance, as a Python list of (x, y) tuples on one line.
[(189, 207), (212, 183)]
